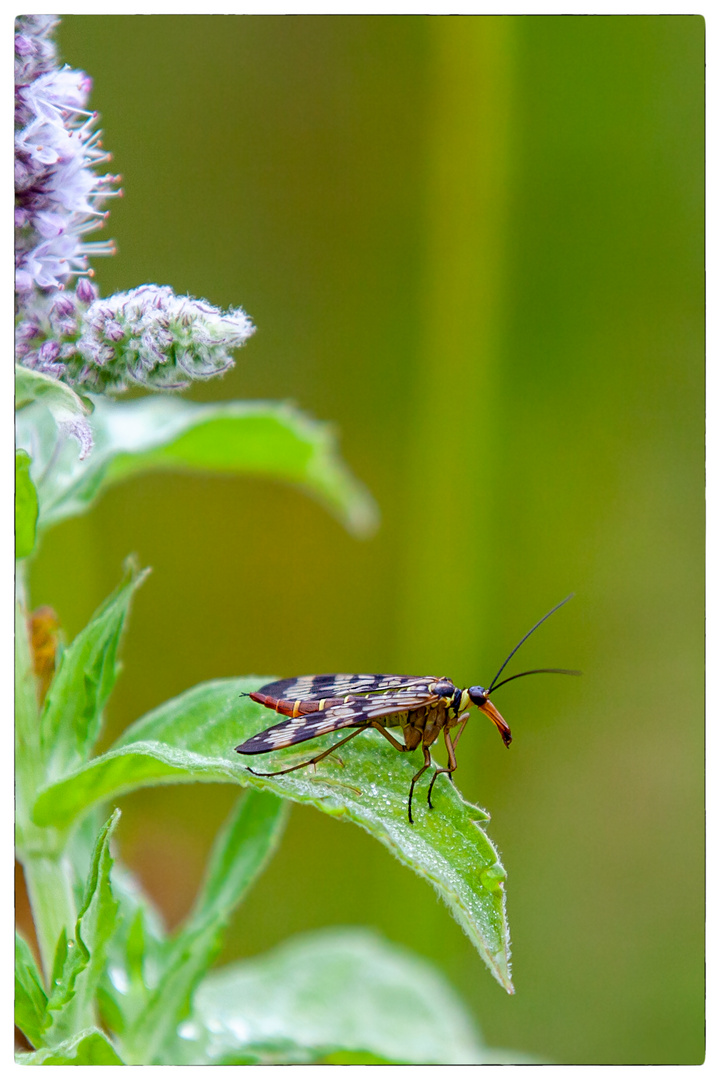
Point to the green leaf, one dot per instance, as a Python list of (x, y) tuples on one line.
[(60, 959), (134, 955), (89, 1047), (35, 386), (83, 958), (192, 738), (26, 506), (72, 713), (34, 390), (339, 992), (255, 438), (31, 1014), (241, 851), (353, 1057)]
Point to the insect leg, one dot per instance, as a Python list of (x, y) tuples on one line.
[(461, 727), (452, 763), (404, 749), (426, 756), (390, 738), (312, 761)]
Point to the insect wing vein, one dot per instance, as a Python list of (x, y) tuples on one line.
[(316, 687), (354, 712)]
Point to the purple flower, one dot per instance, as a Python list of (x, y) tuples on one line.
[(151, 337), (58, 193), (148, 336), (34, 49), (57, 93)]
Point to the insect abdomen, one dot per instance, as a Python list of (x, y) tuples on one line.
[(294, 708)]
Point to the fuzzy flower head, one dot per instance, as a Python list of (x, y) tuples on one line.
[(58, 193), (34, 47), (146, 337), (65, 332)]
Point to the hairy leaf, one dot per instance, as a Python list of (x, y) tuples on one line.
[(134, 956), (82, 959), (36, 386), (89, 1047), (344, 995), (31, 1014), (192, 738), (70, 722), (56, 408), (253, 438), (243, 847)]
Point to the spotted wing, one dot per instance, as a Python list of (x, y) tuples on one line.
[(353, 712), (316, 687)]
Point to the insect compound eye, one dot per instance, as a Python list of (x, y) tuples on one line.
[(444, 688), (478, 695)]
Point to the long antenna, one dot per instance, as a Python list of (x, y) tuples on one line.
[(522, 640), (538, 671)]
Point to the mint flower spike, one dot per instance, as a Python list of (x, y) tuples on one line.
[(146, 337), (58, 194), (34, 49), (153, 338)]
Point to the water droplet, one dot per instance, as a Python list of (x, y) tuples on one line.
[(239, 1028), (493, 877), (188, 1030), (119, 979)]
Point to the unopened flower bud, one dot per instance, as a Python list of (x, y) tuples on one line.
[(86, 291), (154, 338)]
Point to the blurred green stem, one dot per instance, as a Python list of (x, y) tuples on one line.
[(449, 555), (49, 885), (47, 876), (27, 714)]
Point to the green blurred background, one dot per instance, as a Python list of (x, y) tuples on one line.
[(475, 245)]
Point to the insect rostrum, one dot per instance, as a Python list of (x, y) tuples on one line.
[(424, 707)]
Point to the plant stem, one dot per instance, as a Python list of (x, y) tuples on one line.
[(48, 874), (49, 885), (27, 712)]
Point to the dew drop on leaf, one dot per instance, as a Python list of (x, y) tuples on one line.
[(493, 877)]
